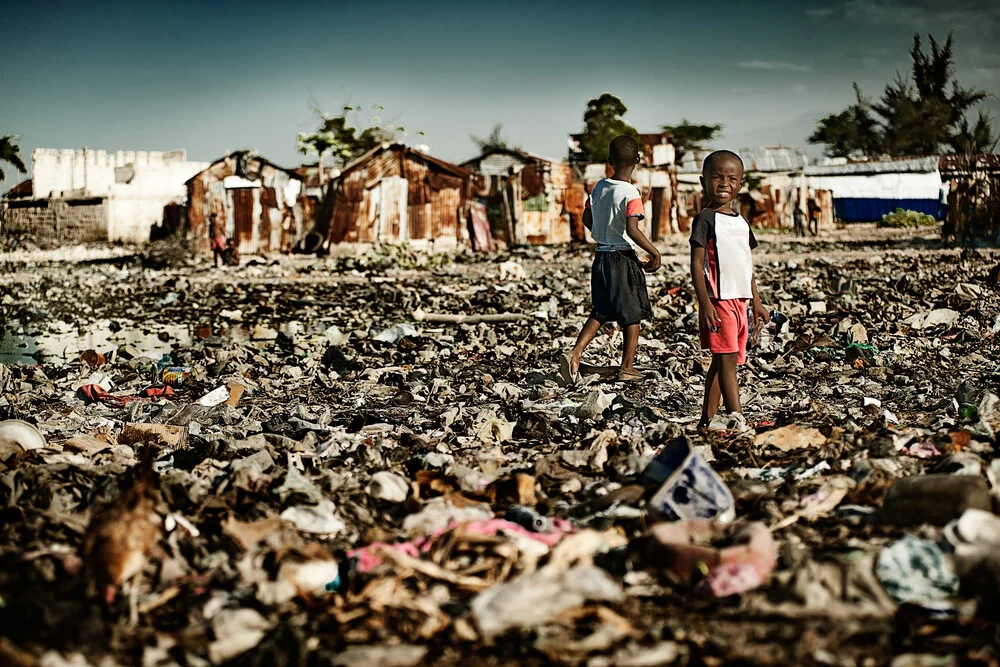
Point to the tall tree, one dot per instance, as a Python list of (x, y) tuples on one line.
[(602, 122), (690, 137), (921, 114), (495, 140), (853, 131), (10, 153), (978, 138), (339, 136)]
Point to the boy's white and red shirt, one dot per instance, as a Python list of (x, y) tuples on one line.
[(611, 203), (728, 241)]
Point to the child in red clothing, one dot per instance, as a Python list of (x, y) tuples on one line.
[(722, 273), (218, 241)]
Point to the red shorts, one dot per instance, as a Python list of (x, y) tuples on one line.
[(731, 335)]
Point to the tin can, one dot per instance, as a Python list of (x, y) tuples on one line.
[(174, 376)]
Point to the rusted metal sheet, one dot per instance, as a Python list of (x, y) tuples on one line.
[(973, 198), (242, 204), (393, 218)]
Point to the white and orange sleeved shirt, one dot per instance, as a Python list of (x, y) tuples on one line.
[(611, 203)]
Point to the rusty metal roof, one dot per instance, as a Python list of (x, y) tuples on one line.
[(310, 175), (454, 169), (963, 164), (515, 152), (766, 159), (19, 191), (901, 165), (248, 155)]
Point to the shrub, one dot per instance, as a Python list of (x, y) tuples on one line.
[(903, 219)]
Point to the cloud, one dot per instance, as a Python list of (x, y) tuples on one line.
[(988, 73), (976, 16), (820, 13), (774, 65)]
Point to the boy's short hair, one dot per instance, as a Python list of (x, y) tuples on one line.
[(623, 151), (714, 155)]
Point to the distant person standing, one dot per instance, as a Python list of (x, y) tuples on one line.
[(800, 221), (218, 241), (813, 218)]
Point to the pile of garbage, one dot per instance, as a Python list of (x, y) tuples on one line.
[(337, 462)]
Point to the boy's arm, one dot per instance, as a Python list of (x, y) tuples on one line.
[(760, 311), (706, 311), (634, 233)]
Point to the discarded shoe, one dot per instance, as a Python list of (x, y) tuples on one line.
[(733, 422)]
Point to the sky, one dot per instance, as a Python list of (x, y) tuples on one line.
[(213, 77)]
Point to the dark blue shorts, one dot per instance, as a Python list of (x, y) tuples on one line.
[(618, 289)]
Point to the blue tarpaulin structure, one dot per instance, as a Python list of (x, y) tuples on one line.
[(857, 209)]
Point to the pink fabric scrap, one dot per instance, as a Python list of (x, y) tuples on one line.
[(731, 579), (368, 557)]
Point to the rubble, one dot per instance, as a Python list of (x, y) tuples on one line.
[(342, 461)]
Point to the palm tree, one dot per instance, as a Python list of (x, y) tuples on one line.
[(10, 153), (975, 139)]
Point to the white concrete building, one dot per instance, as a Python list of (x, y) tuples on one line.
[(865, 191), (135, 185)]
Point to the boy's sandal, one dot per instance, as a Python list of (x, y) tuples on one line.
[(629, 376), (566, 369)]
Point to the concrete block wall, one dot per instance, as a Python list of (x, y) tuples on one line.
[(62, 221), (155, 179)]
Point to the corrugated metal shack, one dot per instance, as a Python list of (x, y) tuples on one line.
[(781, 186), (396, 193), (528, 198), (973, 198), (257, 203)]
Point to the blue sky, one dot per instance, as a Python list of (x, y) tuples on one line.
[(212, 77)]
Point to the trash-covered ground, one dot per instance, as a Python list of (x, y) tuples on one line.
[(371, 460)]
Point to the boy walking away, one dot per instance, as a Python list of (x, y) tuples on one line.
[(722, 273), (617, 283)]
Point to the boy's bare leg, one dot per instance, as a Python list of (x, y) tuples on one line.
[(631, 342), (710, 405), (728, 383), (587, 333)]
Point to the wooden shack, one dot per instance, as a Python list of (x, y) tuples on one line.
[(396, 193), (256, 202)]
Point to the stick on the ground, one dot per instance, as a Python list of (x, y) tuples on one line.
[(447, 318)]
